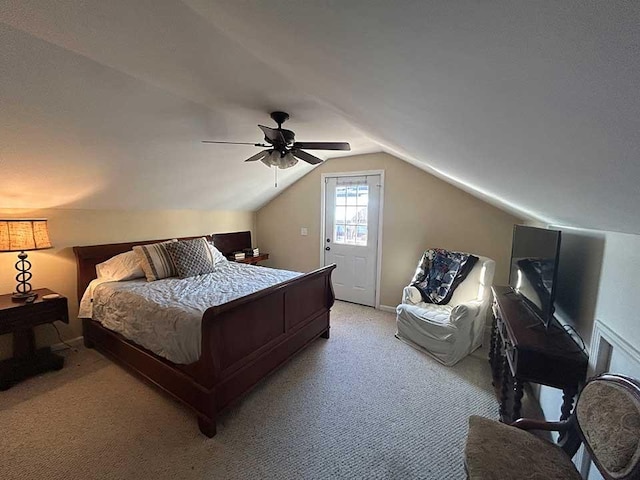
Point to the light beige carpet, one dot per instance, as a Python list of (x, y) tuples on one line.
[(360, 405)]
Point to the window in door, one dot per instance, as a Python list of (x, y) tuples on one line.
[(350, 225)]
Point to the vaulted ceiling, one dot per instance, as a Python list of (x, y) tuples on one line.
[(533, 106)]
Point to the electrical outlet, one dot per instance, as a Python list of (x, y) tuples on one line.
[(304, 232)]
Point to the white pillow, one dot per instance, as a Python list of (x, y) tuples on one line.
[(125, 266), (217, 254)]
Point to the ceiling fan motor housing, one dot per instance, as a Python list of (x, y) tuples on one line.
[(289, 136), (289, 139)]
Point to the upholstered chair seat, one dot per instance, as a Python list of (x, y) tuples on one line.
[(606, 420), (496, 451)]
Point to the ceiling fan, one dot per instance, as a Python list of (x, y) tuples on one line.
[(282, 149)]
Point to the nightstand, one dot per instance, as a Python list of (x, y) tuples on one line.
[(252, 260), (19, 318)]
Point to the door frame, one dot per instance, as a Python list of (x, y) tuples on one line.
[(323, 188)]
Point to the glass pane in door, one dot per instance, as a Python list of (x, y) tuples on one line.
[(350, 216)]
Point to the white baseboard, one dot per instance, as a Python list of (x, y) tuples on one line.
[(74, 342), (387, 308)]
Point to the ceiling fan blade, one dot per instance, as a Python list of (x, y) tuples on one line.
[(236, 143), (258, 156), (323, 145), (273, 135), (307, 157)]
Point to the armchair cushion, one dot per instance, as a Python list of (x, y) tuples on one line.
[(496, 451), (428, 312), (431, 331), (441, 314)]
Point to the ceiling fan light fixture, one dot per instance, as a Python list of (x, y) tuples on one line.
[(272, 158), (280, 160), (288, 160)]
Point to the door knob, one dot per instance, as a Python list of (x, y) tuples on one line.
[(327, 248)]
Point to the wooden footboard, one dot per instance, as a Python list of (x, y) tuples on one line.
[(246, 339), (243, 341)]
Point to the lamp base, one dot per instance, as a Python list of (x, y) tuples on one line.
[(23, 297)]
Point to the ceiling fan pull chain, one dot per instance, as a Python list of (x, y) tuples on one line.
[(275, 168)]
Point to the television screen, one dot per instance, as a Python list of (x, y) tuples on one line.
[(534, 268)]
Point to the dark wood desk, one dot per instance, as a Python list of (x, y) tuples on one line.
[(19, 318), (522, 351)]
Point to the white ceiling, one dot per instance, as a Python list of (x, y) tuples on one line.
[(103, 104), (531, 105)]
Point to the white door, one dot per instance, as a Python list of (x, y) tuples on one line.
[(352, 209)]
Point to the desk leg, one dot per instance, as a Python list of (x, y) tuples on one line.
[(496, 368), (504, 391), (492, 347), (518, 392), (567, 402)]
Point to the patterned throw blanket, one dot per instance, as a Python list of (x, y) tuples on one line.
[(440, 272)]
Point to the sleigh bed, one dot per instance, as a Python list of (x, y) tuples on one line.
[(243, 340)]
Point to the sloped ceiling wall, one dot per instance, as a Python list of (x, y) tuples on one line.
[(104, 105), (530, 105)]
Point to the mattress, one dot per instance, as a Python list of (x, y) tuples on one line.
[(165, 316)]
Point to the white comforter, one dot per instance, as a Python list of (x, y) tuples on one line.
[(165, 316)]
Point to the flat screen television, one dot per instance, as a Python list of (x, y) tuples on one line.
[(533, 276)]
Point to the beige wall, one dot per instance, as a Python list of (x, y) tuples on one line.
[(420, 211), (56, 268)]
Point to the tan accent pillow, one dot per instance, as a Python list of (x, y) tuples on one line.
[(155, 261)]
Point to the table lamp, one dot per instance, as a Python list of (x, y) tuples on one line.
[(20, 235)]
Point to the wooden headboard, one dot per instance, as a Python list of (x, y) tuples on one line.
[(88, 257), (228, 243)]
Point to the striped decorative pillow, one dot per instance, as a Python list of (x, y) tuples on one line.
[(155, 261)]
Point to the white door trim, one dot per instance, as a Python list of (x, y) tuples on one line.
[(323, 188)]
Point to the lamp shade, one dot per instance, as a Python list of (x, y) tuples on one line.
[(17, 235)]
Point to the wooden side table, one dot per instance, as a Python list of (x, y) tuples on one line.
[(19, 318), (252, 260)]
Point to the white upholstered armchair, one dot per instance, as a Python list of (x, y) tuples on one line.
[(448, 332)]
